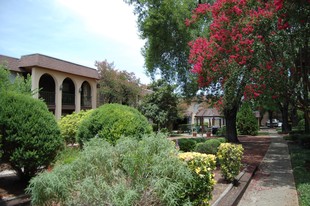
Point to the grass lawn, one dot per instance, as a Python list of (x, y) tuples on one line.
[(301, 168)]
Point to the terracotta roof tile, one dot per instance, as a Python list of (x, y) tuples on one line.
[(57, 65), (11, 63)]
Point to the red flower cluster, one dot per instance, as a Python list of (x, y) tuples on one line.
[(234, 33)]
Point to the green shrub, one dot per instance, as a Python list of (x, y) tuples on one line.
[(145, 172), (208, 147), (301, 125), (69, 125), (229, 156), (221, 140), (30, 134), (185, 128), (221, 131), (189, 144), (304, 140), (246, 121), (111, 121), (202, 167)]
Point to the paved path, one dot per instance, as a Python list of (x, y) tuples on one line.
[(273, 184)]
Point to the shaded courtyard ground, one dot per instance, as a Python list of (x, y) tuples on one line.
[(255, 148)]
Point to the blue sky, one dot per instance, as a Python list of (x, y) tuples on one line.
[(80, 31)]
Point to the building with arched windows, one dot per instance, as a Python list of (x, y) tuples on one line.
[(64, 86)]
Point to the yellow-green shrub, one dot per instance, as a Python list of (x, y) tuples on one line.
[(229, 156), (202, 166), (70, 123)]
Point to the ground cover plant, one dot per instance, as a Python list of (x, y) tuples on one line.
[(111, 121), (30, 134), (300, 158), (133, 172)]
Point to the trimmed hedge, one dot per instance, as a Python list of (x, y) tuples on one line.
[(189, 144), (111, 121), (30, 134), (210, 146)]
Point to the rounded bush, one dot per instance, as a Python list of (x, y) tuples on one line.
[(229, 156), (188, 144), (69, 125), (30, 134), (208, 147), (111, 121)]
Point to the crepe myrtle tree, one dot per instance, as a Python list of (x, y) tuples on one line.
[(230, 49)]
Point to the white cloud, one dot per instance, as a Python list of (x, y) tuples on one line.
[(111, 19)]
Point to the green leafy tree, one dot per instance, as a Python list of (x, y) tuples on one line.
[(111, 122), (117, 86), (161, 106), (247, 124), (18, 84), (161, 24), (30, 134)]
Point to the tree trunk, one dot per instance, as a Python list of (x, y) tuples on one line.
[(307, 122), (231, 118), (270, 118), (284, 111)]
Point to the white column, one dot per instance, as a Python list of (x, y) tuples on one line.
[(58, 98), (78, 97), (94, 95), (35, 82)]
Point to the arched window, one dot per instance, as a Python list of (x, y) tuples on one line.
[(47, 89), (85, 96)]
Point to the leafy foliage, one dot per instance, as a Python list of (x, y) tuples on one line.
[(210, 146), (300, 158), (229, 156), (146, 172), (202, 166), (17, 84), (189, 144), (30, 134), (161, 24), (246, 120), (111, 121), (161, 106), (69, 125), (117, 86)]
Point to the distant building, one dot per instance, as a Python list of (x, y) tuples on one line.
[(202, 114), (64, 86)]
